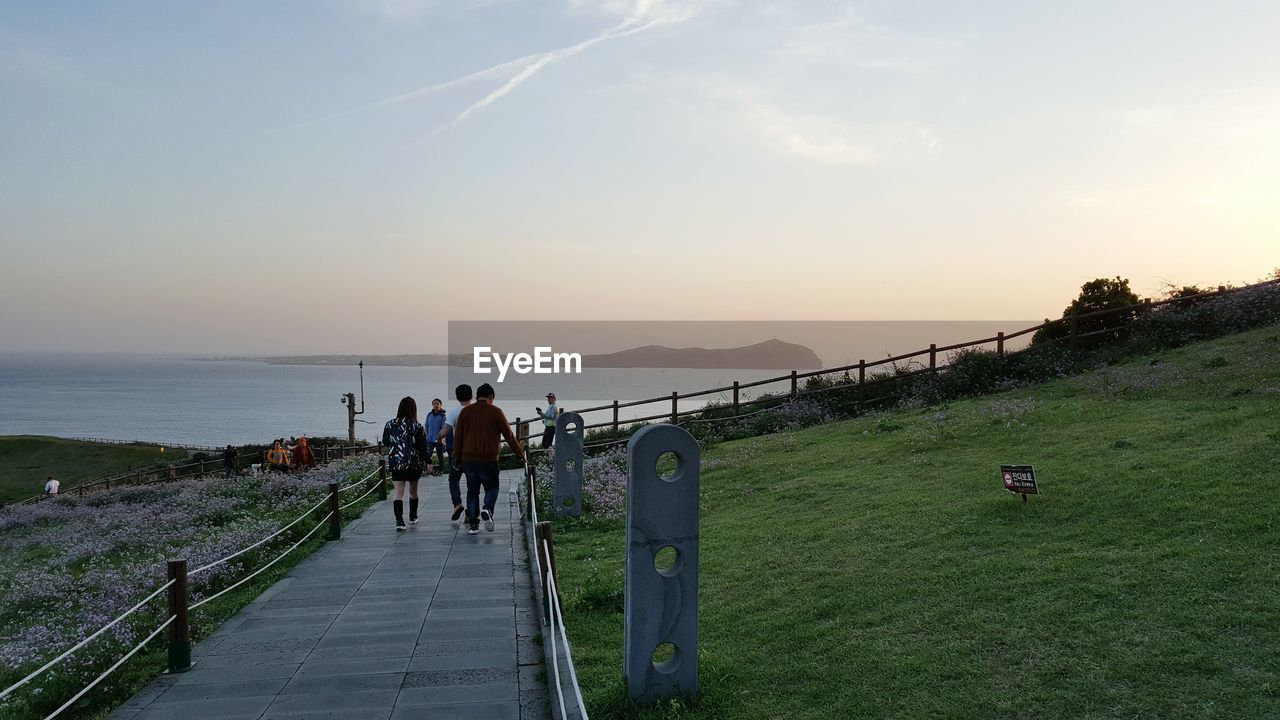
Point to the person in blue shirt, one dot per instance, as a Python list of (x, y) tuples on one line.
[(548, 421), (435, 424)]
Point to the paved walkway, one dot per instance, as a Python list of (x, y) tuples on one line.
[(428, 623)]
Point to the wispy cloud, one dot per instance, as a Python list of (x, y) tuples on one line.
[(810, 137), (644, 15)]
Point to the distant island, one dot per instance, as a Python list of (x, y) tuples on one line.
[(767, 355)]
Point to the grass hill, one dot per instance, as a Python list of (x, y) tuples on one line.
[(26, 460), (875, 568)]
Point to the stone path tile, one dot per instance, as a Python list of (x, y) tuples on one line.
[(430, 622)]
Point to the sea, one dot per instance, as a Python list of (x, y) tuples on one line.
[(205, 403)]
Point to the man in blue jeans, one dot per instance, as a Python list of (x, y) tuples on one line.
[(477, 439), (463, 394)]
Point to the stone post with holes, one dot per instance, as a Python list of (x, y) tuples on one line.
[(660, 603), (568, 461)]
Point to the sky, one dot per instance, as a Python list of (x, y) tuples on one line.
[(346, 176)]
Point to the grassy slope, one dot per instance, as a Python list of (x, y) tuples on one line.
[(26, 460), (875, 568)]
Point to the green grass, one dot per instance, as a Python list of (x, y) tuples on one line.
[(27, 460), (875, 568)]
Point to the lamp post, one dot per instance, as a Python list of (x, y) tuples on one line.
[(349, 400)]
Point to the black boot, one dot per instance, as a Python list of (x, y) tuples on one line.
[(398, 507), (413, 510)]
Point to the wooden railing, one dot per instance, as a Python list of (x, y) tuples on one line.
[(1072, 337), (198, 468)]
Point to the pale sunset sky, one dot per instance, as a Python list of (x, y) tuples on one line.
[(347, 175)]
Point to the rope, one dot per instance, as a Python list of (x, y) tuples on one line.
[(365, 495), (259, 571), (111, 669), (85, 641), (557, 619), (272, 536), (359, 482)]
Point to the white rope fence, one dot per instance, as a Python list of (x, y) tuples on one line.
[(261, 542), (111, 669), (164, 588), (86, 641), (556, 612), (365, 495), (260, 570), (359, 482), (557, 621)]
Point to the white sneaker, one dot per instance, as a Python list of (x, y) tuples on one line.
[(487, 518), (473, 530)]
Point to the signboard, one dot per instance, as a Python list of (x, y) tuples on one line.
[(1020, 479)]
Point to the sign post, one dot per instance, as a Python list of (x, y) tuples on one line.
[(1020, 480)]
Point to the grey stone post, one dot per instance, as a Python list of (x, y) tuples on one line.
[(660, 604), (568, 460)]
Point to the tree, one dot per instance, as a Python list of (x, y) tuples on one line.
[(1096, 296)]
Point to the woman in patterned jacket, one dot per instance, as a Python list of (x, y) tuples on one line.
[(406, 443)]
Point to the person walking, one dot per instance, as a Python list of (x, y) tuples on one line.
[(406, 443), (479, 433), (278, 457), (548, 421), (463, 395), (51, 486), (229, 462), (435, 424)]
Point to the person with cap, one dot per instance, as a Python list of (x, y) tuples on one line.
[(548, 421)]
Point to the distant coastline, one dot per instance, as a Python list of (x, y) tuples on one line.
[(768, 355)]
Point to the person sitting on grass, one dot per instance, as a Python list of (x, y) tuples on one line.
[(51, 486), (278, 457), (302, 455)]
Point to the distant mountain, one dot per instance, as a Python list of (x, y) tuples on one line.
[(767, 355)]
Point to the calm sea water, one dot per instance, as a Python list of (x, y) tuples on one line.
[(178, 400)]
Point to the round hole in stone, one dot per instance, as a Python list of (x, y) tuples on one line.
[(570, 465), (668, 561), (666, 658), (669, 466), (567, 502), (570, 428)]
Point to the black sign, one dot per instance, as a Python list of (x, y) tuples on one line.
[(1020, 479)]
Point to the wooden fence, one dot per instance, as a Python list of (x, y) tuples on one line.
[(199, 468), (672, 413)]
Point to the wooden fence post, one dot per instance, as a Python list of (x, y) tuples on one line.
[(547, 562), (675, 407), (179, 629), (933, 356), (793, 384), (1000, 343), (735, 397), (615, 417), (335, 513), (862, 380)]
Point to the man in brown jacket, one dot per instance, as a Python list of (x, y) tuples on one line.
[(477, 439)]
